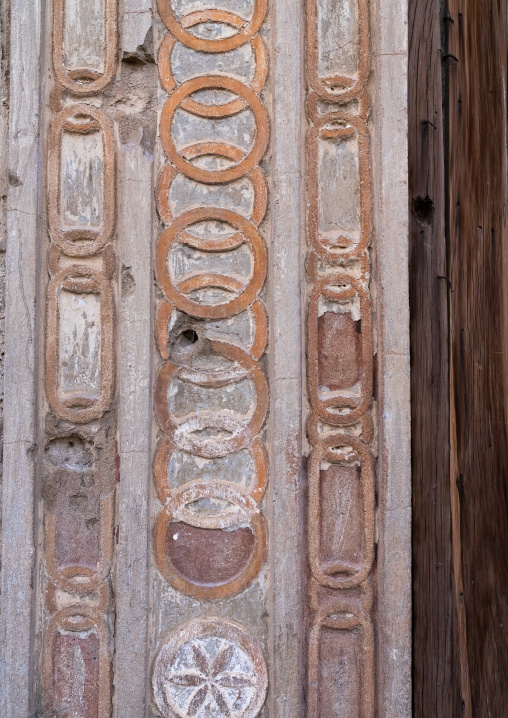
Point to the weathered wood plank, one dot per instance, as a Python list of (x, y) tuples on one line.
[(436, 675), (478, 334)]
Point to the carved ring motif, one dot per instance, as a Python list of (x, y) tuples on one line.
[(246, 28), (82, 82), (72, 623), (339, 125), (256, 311), (241, 514), (241, 432), (246, 293), (79, 407), (81, 241), (255, 491), (336, 409), (214, 82), (347, 619), (199, 108), (336, 573), (255, 175)]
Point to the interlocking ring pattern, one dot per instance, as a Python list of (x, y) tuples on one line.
[(341, 492), (78, 468), (211, 266), (211, 396)]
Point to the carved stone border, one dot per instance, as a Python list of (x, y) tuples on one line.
[(243, 432), (344, 415), (89, 263)]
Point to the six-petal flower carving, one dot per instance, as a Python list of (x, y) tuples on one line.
[(211, 677)]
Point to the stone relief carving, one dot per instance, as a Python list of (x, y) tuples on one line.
[(211, 394), (341, 501), (210, 667), (78, 462)]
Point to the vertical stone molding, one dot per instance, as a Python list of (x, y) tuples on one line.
[(78, 466), (389, 128), (341, 492), (24, 221)]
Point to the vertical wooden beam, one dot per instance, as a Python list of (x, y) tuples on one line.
[(436, 679), (478, 336)]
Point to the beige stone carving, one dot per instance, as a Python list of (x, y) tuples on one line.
[(340, 522), (210, 667)]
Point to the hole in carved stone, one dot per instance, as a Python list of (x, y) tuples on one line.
[(69, 452), (187, 338)]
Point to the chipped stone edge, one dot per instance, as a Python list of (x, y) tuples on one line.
[(390, 173), (24, 226), (132, 575)]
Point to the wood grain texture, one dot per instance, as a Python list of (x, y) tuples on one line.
[(478, 336), (435, 640), (458, 175)]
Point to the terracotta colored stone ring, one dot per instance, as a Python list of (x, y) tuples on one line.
[(256, 310), (176, 295), (81, 241), (65, 630), (333, 571), (220, 149), (246, 28), (340, 410), (199, 108), (83, 81), (163, 456), (241, 432), (79, 407), (207, 562), (353, 625), (214, 82), (240, 508)]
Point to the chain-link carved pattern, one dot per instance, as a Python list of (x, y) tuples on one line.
[(340, 525), (79, 459)]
